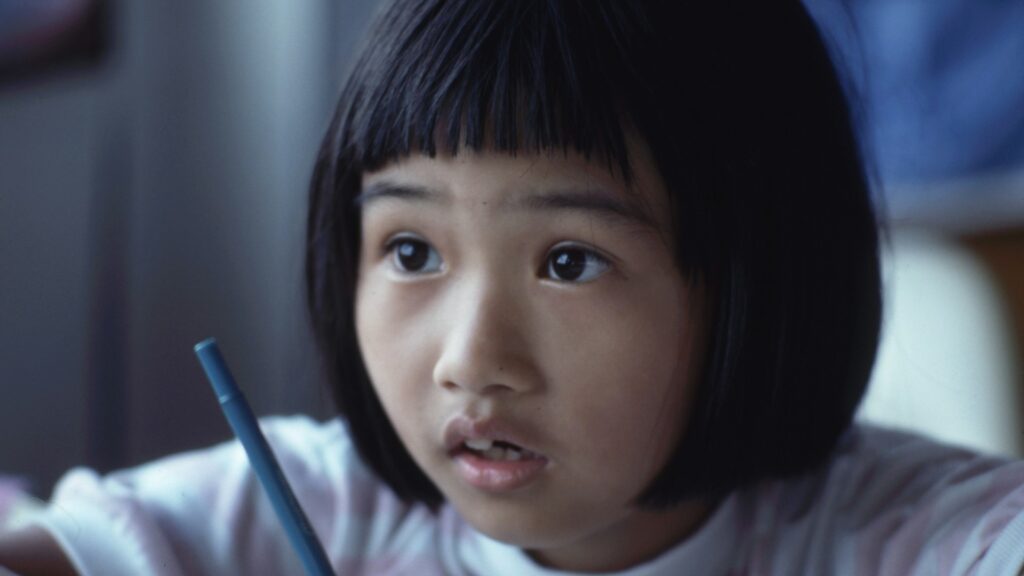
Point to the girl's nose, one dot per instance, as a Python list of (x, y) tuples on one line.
[(485, 347)]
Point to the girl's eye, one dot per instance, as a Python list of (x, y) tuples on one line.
[(414, 256), (572, 264)]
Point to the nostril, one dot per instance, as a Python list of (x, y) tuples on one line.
[(492, 387)]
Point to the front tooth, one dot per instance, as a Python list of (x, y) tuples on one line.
[(479, 444), (495, 453), (511, 454)]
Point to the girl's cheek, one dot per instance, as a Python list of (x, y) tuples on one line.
[(392, 316)]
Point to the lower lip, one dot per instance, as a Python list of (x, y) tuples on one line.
[(497, 475)]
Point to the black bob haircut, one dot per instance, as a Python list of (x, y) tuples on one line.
[(749, 128)]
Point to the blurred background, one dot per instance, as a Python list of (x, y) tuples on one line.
[(153, 166)]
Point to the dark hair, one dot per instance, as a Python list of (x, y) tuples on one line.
[(748, 126)]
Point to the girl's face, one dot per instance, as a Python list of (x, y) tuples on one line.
[(532, 300)]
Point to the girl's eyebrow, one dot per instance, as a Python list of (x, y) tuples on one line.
[(597, 203)]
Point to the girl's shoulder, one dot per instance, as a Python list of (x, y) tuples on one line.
[(888, 467), (892, 502)]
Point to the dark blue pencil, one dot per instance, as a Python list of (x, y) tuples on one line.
[(243, 422)]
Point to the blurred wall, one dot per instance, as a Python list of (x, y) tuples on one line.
[(149, 204), (48, 146)]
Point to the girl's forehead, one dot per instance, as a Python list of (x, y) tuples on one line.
[(491, 168), (550, 178)]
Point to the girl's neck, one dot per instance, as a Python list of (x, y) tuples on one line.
[(637, 538)]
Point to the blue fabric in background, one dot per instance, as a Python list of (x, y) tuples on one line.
[(941, 84)]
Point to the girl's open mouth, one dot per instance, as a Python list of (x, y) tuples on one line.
[(497, 466), (489, 454), (498, 450)]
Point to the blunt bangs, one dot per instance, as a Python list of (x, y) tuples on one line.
[(748, 126), (512, 77)]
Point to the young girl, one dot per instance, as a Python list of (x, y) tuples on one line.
[(597, 288)]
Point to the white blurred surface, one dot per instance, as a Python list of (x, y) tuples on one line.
[(947, 365)]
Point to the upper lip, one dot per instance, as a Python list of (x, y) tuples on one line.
[(462, 427)]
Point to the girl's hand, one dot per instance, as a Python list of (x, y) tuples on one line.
[(32, 551)]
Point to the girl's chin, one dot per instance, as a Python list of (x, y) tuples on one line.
[(532, 527)]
